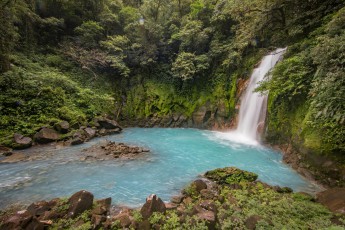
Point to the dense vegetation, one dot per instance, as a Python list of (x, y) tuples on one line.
[(74, 60)]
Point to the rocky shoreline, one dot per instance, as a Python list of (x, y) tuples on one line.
[(60, 134), (325, 171), (224, 198)]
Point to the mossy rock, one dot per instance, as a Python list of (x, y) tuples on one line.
[(230, 175)]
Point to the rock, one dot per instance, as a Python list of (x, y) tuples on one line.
[(5, 151), (153, 204), (252, 221), (39, 208), (97, 221), (77, 141), (21, 142), (170, 206), (333, 199), (188, 200), (102, 207), (46, 135), (209, 217), (199, 185), (108, 124), (282, 189), (177, 199), (124, 219), (208, 205), (79, 202), (15, 157), (35, 225), (17, 221), (62, 127), (207, 194), (201, 116), (90, 132), (78, 137)]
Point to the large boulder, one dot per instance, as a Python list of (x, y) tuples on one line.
[(108, 124), (21, 142), (333, 198), (46, 135), (79, 202), (62, 127), (199, 185), (90, 132), (153, 204)]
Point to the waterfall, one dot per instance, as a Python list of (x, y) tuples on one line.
[(253, 105)]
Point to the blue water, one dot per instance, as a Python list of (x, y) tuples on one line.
[(177, 157)]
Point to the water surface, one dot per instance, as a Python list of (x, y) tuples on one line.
[(177, 157)]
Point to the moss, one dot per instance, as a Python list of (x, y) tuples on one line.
[(231, 175), (35, 95)]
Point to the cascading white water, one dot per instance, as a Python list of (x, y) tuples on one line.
[(253, 104)]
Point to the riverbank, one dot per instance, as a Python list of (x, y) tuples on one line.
[(224, 198), (326, 171)]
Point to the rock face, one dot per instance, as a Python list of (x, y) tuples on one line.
[(334, 199), (46, 135), (62, 127), (21, 142), (153, 204), (80, 202), (108, 124)]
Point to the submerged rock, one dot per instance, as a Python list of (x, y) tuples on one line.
[(15, 157), (110, 150)]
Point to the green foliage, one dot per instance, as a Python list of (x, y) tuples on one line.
[(89, 33), (34, 95), (171, 220), (278, 211), (307, 89), (187, 65), (231, 175)]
